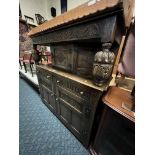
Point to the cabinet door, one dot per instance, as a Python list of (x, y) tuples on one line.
[(77, 123), (44, 92), (52, 102), (116, 134)]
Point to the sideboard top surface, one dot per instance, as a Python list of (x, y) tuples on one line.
[(81, 12), (70, 76), (114, 99)]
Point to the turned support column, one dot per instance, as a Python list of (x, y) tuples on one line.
[(103, 65), (36, 55)]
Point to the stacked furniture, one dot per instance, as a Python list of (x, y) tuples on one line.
[(67, 86), (116, 132)]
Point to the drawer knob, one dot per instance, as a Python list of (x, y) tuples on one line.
[(58, 81), (48, 76), (81, 92), (56, 99)]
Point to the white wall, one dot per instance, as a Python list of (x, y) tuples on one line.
[(43, 7), (31, 7), (74, 3), (53, 3)]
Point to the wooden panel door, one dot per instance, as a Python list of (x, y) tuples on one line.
[(44, 92), (116, 134), (75, 120), (52, 102)]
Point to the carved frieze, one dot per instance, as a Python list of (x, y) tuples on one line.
[(103, 29)]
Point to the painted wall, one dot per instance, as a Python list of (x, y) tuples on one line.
[(43, 7), (53, 3), (57, 4), (74, 3), (30, 7)]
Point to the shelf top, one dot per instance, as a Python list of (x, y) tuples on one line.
[(85, 10), (81, 80), (114, 99)]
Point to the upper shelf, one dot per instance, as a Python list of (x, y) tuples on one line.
[(84, 11)]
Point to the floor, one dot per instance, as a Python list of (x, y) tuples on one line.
[(28, 75), (40, 132)]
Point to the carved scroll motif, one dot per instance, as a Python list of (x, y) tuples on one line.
[(73, 33), (103, 64)]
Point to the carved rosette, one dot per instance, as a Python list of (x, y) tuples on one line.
[(103, 65)]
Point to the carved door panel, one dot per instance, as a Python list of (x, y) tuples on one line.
[(80, 126), (85, 58), (77, 123), (65, 112), (63, 57), (44, 93), (52, 102)]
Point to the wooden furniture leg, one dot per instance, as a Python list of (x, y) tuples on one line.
[(20, 64), (25, 67), (31, 70)]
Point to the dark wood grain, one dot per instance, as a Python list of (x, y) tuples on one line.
[(114, 99), (73, 103)]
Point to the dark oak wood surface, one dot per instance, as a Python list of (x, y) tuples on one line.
[(73, 103), (114, 99)]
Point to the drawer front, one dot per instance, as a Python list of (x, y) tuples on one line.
[(45, 78), (76, 88), (77, 103)]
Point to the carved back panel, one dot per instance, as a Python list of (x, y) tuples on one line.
[(63, 56)]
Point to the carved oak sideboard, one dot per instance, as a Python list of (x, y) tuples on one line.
[(83, 43), (71, 98)]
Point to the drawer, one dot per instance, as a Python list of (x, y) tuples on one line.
[(45, 78), (76, 88)]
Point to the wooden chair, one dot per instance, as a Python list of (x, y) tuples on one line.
[(28, 60), (21, 55), (40, 19)]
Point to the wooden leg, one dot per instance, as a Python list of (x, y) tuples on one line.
[(25, 67), (31, 69), (47, 59), (20, 64)]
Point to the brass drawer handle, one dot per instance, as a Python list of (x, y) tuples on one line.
[(48, 76), (81, 92)]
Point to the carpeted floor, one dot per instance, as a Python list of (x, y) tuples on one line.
[(40, 132)]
